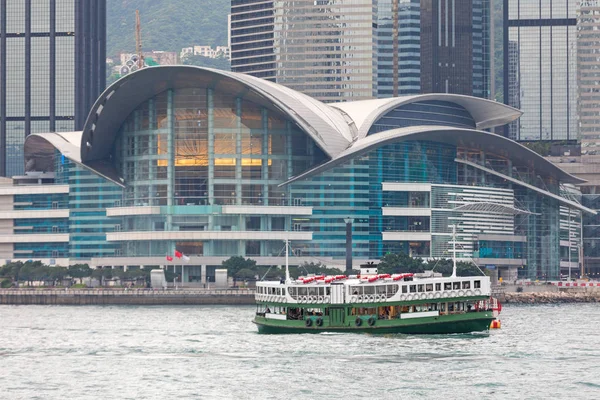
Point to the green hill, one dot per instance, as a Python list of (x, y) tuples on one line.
[(167, 25)]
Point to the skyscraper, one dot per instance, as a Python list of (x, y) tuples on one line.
[(329, 49), (453, 47), (323, 48), (588, 63), (540, 67), (52, 57)]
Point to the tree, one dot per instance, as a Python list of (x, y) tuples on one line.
[(441, 265), (80, 271), (399, 264), (236, 263), (314, 268), (467, 269), (57, 274), (11, 270), (200, 61), (102, 274), (444, 266), (28, 272), (246, 274)]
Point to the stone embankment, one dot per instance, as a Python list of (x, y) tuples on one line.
[(125, 297), (552, 297)]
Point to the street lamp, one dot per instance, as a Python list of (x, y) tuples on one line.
[(348, 222)]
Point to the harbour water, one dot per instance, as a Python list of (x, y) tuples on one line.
[(214, 352)]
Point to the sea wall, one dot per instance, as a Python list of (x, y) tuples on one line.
[(125, 297), (570, 296)]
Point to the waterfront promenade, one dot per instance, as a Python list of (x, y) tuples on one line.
[(107, 296)]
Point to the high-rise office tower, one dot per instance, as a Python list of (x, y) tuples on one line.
[(323, 48), (540, 48), (588, 63), (329, 49), (427, 46), (52, 57), (455, 47)]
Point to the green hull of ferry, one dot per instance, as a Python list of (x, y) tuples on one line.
[(441, 324)]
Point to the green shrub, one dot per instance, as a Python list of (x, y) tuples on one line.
[(519, 289), (6, 283), (79, 286)]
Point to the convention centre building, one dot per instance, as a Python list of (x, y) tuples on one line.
[(215, 164)]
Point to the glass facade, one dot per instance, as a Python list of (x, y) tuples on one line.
[(201, 157), (540, 72), (588, 57), (336, 50), (50, 53), (325, 49), (252, 38), (34, 249), (192, 151), (425, 113), (398, 47), (591, 231), (455, 56)]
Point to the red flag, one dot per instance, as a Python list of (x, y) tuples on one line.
[(178, 254), (169, 258)]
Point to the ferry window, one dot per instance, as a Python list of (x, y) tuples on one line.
[(327, 291), (369, 289), (455, 285), (356, 290), (392, 290), (477, 284), (283, 291), (302, 291), (466, 285), (293, 292), (413, 288), (420, 288), (279, 291), (312, 291), (429, 287), (404, 289), (438, 286), (447, 286), (380, 289)]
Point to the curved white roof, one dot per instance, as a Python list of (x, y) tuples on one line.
[(445, 134), (340, 129), (325, 125), (486, 113)]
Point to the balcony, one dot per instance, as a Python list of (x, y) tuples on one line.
[(207, 235)]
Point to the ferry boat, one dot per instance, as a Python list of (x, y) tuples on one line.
[(425, 303)]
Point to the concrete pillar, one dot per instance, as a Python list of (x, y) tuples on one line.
[(203, 274), (238, 152), (170, 156), (494, 277)]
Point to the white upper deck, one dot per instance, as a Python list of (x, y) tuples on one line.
[(372, 289)]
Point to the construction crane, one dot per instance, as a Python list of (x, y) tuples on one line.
[(138, 40)]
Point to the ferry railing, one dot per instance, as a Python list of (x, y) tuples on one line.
[(129, 291)]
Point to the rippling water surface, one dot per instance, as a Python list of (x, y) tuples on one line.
[(214, 352)]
